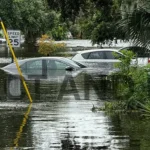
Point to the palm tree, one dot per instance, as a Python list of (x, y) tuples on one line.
[(136, 23)]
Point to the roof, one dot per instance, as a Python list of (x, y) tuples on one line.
[(34, 58), (37, 58), (94, 50)]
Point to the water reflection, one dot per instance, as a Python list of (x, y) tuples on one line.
[(11, 118), (13, 87), (78, 85), (70, 127), (61, 116), (24, 121), (135, 127)]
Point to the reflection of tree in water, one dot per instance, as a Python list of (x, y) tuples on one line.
[(70, 143), (67, 144), (131, 130), (24, 121), (104, 86), (14, 128), (3, 85), (73, 88)]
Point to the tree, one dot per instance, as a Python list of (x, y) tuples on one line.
[(69, 9), (93, 19), (31, 17), (105, 21), (136, 22)]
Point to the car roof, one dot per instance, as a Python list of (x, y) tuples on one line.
[(37, 58), (95, 50), (20, 62)]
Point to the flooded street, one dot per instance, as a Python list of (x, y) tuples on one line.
[(62, 115), (63, 119)]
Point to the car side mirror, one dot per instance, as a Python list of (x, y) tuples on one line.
[(69, 68)]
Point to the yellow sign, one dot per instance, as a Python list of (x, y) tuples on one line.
[(15, 60)]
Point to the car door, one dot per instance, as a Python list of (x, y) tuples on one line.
[(33, 67), (111, 58), (96, 59), (103, 59), (56, 68)]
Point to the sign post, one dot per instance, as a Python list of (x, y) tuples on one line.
[(14, 37), (15, 59)]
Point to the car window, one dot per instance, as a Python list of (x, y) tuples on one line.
[(54, 64), (85, 55), (32, 67), (35, 64), (60, 65), (109, 55), (23, 67), (96, 55), (113, 55), (51, 64), (68, 61)]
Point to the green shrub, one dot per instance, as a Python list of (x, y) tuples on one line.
[(75, 31), (48, 47), (133, 92), (59, 33)]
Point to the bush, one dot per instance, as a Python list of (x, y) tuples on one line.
[(132, 95), (48, 47), (75, 31), (59, 33)]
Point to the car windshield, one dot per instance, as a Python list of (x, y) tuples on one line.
[(70, 62)]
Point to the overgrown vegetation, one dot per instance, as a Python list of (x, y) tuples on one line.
[(48, 47), (133, 92), (98, 20)]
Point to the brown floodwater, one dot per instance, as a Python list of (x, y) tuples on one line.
[(62, 115)]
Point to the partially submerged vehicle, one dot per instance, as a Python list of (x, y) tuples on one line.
[(43, 67), (106, 58)]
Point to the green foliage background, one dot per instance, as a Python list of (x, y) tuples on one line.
[(98, 20), (133, 91)]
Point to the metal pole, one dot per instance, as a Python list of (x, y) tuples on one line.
[(15, 60)]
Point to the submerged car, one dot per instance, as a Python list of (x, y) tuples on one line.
[(105, 58), (101, 58), (42, 65)]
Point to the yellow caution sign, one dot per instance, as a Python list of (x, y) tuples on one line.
[(15, 60)]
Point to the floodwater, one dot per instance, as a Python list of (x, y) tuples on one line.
[(62, 115)]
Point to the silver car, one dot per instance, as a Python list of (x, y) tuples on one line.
[(98, 58), (42, 65), (105, 58)]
